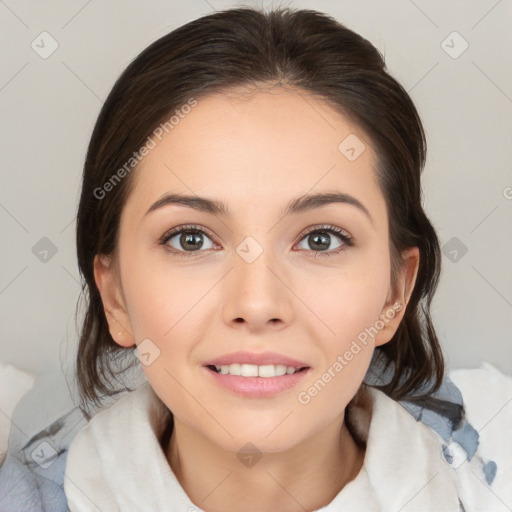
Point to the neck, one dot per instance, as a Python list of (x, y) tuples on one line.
[(308, 476)]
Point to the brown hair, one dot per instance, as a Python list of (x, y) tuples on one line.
[(302, 49)]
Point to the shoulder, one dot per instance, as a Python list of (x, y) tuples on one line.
[(83, 480), (402, 457), (487, 397), (475, 444), (457, 448), (103, 454), (84, 476), (106, 426)]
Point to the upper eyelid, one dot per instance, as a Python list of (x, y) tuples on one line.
[(325, 227)]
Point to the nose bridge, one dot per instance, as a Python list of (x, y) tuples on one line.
[(255, 293), (252, 263)]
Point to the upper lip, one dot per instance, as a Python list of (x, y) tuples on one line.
[(260, 359)]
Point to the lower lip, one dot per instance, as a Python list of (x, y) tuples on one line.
[(257, 387)]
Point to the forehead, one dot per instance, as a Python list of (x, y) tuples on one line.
[(255, 150)]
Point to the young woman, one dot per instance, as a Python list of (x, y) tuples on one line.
[(251, 234)]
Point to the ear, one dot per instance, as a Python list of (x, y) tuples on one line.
[(396, 303), (108, 283)]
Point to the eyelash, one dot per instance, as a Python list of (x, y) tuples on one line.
[(340, 233)]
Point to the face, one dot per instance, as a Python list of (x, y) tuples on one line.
[(305, 284)]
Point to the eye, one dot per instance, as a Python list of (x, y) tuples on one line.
[(319, 238), (188, 240)]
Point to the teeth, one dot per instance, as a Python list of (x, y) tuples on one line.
[(253, 370)]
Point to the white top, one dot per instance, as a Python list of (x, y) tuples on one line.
[(116, 463)]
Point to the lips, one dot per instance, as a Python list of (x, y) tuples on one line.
[(256, 374)]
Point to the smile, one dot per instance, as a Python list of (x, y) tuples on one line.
[(253, 381), (253, 370)]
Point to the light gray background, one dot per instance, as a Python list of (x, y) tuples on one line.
[(48, 108)]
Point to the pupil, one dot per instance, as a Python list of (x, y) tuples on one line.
[(323, 243), (193, 239)]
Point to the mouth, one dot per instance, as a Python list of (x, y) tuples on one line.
[(256, 381), (256, 374), (252, 370)]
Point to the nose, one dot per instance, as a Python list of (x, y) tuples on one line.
[(256, 292)]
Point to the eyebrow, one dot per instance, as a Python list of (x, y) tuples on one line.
[(295, 206)]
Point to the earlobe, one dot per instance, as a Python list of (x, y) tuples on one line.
[(394, 309), (108, 284)]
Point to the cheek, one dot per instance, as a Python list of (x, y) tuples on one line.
[(350, 308), (164, 305), (158, 293), (168, 304), (352, 299)]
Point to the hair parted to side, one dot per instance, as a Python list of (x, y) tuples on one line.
[(309, 52)]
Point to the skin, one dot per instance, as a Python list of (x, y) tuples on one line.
[(255, 152)]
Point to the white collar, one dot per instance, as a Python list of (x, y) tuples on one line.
[(117, 463)]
